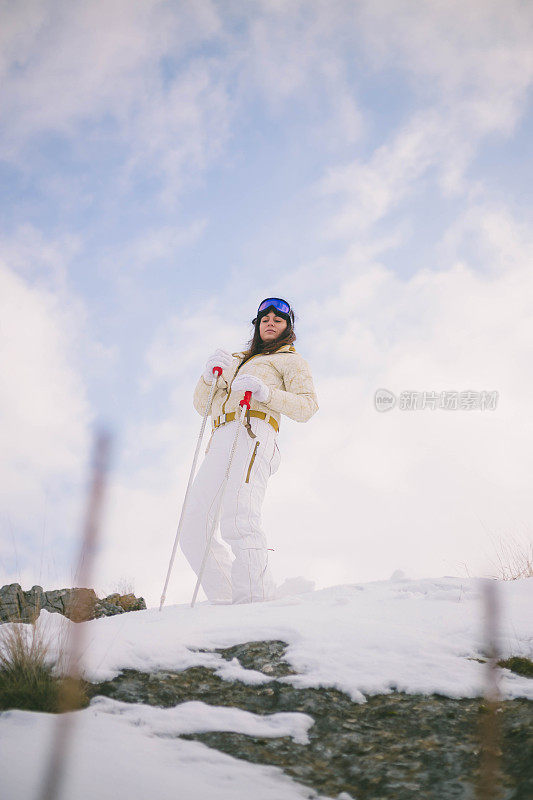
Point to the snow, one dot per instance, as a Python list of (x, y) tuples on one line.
[(409, 635), (118, 753), (413, 635), (197, 717)]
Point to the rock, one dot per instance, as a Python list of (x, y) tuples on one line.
[(267, 657), (131, 603), (106, 609), (54, 601), (36, 597), (118, 604), (21, 606), (12, 602), (78, 604)]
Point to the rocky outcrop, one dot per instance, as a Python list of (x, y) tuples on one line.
[(118, 604), (77, 604)]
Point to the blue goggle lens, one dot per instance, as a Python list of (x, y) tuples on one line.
[(279, 304)]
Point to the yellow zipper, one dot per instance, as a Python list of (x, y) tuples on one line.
[(251, 462)]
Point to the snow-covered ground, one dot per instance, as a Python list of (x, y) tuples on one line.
[(126, 752), (409, 635)]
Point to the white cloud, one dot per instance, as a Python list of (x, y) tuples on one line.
[(44, 417), (365, 193), (40, 260), (181, 129), (90, 59), (471, 68), (165, 82), (295, 53), (184, 341), (70, 69), (482, 48), (152, 245)]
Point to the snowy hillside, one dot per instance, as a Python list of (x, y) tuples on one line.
[(413, 636)]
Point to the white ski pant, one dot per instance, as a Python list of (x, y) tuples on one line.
[(246, 577)]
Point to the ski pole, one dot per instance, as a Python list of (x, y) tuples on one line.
[(245, 404), (218, 371)]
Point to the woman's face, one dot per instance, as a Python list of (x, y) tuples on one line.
[(271, 326)]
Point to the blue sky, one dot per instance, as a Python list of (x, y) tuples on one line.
[(166, 165)]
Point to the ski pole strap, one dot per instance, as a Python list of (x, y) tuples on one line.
[(247, 425)]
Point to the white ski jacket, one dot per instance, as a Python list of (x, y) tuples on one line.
[(286, 373)]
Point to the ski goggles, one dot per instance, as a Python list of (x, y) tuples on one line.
[(277, 302)]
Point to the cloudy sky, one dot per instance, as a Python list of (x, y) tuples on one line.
[(165, 166)]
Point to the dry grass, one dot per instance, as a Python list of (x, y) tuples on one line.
[(28, 679), (120, 586), (513, 559), (124, 585)]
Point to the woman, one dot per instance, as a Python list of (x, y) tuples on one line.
[(281, 383)]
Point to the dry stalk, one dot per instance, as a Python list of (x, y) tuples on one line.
[(489, 778), (71, 686)]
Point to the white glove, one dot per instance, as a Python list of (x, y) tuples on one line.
[(245, 382), (220, 358)]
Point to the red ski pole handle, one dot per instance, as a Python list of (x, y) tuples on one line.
[(218, 370), (246, 399)]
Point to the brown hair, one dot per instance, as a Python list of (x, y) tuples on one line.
[(256, 345)]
